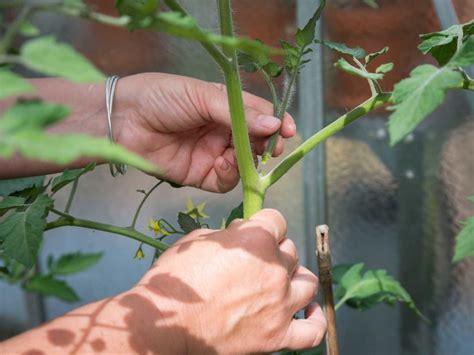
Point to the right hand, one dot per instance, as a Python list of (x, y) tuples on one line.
[(232, 291)]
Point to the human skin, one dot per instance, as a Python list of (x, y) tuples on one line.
[(180, 124), (227, 291)]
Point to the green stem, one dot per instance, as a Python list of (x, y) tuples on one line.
[(467, 84), (273, 91), (13, 29), (214, 52), (374, 85), (280, 113), (135, 217), (252, 191), (71, 196), (340, 304), (331, 129), (68, 220)]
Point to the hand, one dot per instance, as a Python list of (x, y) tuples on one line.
[(183, 125), (230, 291)]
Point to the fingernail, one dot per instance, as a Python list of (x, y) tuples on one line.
[(225, 165), (268, 122)]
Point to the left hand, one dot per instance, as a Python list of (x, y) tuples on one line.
[(183, 125)]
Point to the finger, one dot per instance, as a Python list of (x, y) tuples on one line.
[(306, 333), (279, 147), (272, 221), (303, 288), (288, 126), (289, 252), (227, 175)]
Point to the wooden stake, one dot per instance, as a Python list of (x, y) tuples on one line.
[(323, 253)]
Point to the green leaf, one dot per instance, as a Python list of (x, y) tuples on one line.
[(305, 36), (72, 263), (291, 57), (465, 55), (372, 56), (183, 26), (47, 56), (375, 286), (384, 68), (465, 239), (137, 10), (372, 3), (356, 52), (348, 68), (237, 212), (247, 63), (418, 96), (11, 202), (338, 272), (40, 146), (13, 84), (31, 114), (10, 186), (273, 69), (22, 232), (187, 223), (442, 45), (27, 29), (49, 286), (69, 176)]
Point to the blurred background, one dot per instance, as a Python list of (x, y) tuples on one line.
[(397, 208)]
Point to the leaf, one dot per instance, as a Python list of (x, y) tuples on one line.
[(305, 36), (237, 212), (137, 10), (273, 69), (372, 56), (247, 63), (372, 3), (10, 186), (13, 84), (49, 286), (11, 202), (384, 68), (464, 242), (442, 45), (49, 57), (187, 223), (338, 272), (356, 52), (348, 68), (183, 26), (27, 29), (22, 232), (76, 262), (465, 55), (31, 114), (418, 96), (69, 176), (375, 286)]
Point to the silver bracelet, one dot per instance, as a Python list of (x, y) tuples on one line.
[(110, 85)]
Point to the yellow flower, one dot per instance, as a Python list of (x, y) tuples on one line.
[(195, 211), (139, 253)]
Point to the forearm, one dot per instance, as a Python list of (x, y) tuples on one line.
[(88, 116), (125, 324)]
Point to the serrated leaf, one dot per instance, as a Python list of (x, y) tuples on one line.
[(183, 26), (49, 286), (72, 263), (372, 3), (384, 68), (305, 36), (31, 114), (247, 63), (11, 202), (187, 223), (418, 96), (291, 57), (442, 45), (375, 286), (273, 69), (465, 55), (27, 29), (350, 69), (47, 56), (22, 232), (12, 84), (464, 241), (137, 10), (9, 186), (356, 52), (338, 272), (237, 212), (372, 56), (69, 176)]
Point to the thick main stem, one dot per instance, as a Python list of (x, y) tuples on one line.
[(343, 121), (252, 191)]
